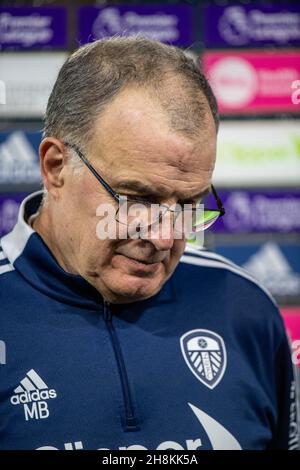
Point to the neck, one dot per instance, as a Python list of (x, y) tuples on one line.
[(44, 225)]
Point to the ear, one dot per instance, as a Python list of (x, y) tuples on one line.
[(52, 162)]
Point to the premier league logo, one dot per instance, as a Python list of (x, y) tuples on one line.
[(205, 354)]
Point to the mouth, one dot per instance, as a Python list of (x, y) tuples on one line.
[(140, 261), (137, 265)]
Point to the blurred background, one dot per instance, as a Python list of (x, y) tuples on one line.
[(250, 52)]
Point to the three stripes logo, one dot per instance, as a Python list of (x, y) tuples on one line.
[(32, 393), (5, 265), (19, 161), (205, 354)]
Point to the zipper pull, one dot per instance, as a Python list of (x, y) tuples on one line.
[(106, 311)]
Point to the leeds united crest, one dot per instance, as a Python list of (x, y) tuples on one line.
[(205, 354)]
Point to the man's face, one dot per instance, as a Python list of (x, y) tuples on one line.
[(138, 154)]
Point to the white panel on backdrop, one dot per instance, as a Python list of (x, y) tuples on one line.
[(258, 153), (28, 79)]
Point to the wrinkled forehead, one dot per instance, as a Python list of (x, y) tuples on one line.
[(134, 135)]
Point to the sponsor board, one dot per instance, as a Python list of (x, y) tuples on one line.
[(9, 208), (19, 160), (166, 23), (252, 81), (291, 316), (251, 25), (33, 27), (276, 266), (258, 211), (29, 79), (260, 153)]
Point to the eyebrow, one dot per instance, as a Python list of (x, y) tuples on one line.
[(149, 190)]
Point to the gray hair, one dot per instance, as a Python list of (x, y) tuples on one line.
[(94, 74)]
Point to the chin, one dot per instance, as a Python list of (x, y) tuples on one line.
[(132, 290)]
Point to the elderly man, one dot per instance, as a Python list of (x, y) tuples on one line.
[(110, 342)]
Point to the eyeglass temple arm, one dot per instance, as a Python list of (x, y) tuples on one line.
[(92, 169), (219, 202), (111, 191)]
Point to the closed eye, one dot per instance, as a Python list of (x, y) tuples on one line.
[(140, 199), (193, 202)]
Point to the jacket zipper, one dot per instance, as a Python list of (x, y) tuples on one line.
[(130, 419)]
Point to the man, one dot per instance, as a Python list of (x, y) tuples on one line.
[(110, 343)]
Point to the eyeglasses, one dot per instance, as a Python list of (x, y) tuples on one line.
[(136, 211)]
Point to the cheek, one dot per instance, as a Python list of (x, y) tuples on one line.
[(178, 248), (96, 253), (99, 252), (175, 254)]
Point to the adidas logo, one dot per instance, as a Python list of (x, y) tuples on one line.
[(18, 160), (270, 266), (32, 393)]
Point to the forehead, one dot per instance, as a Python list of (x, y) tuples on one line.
[(133, 138)]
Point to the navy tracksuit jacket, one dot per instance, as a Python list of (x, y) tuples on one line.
[(204, 364)]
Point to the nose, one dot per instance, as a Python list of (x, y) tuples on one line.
[(161, 234)]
